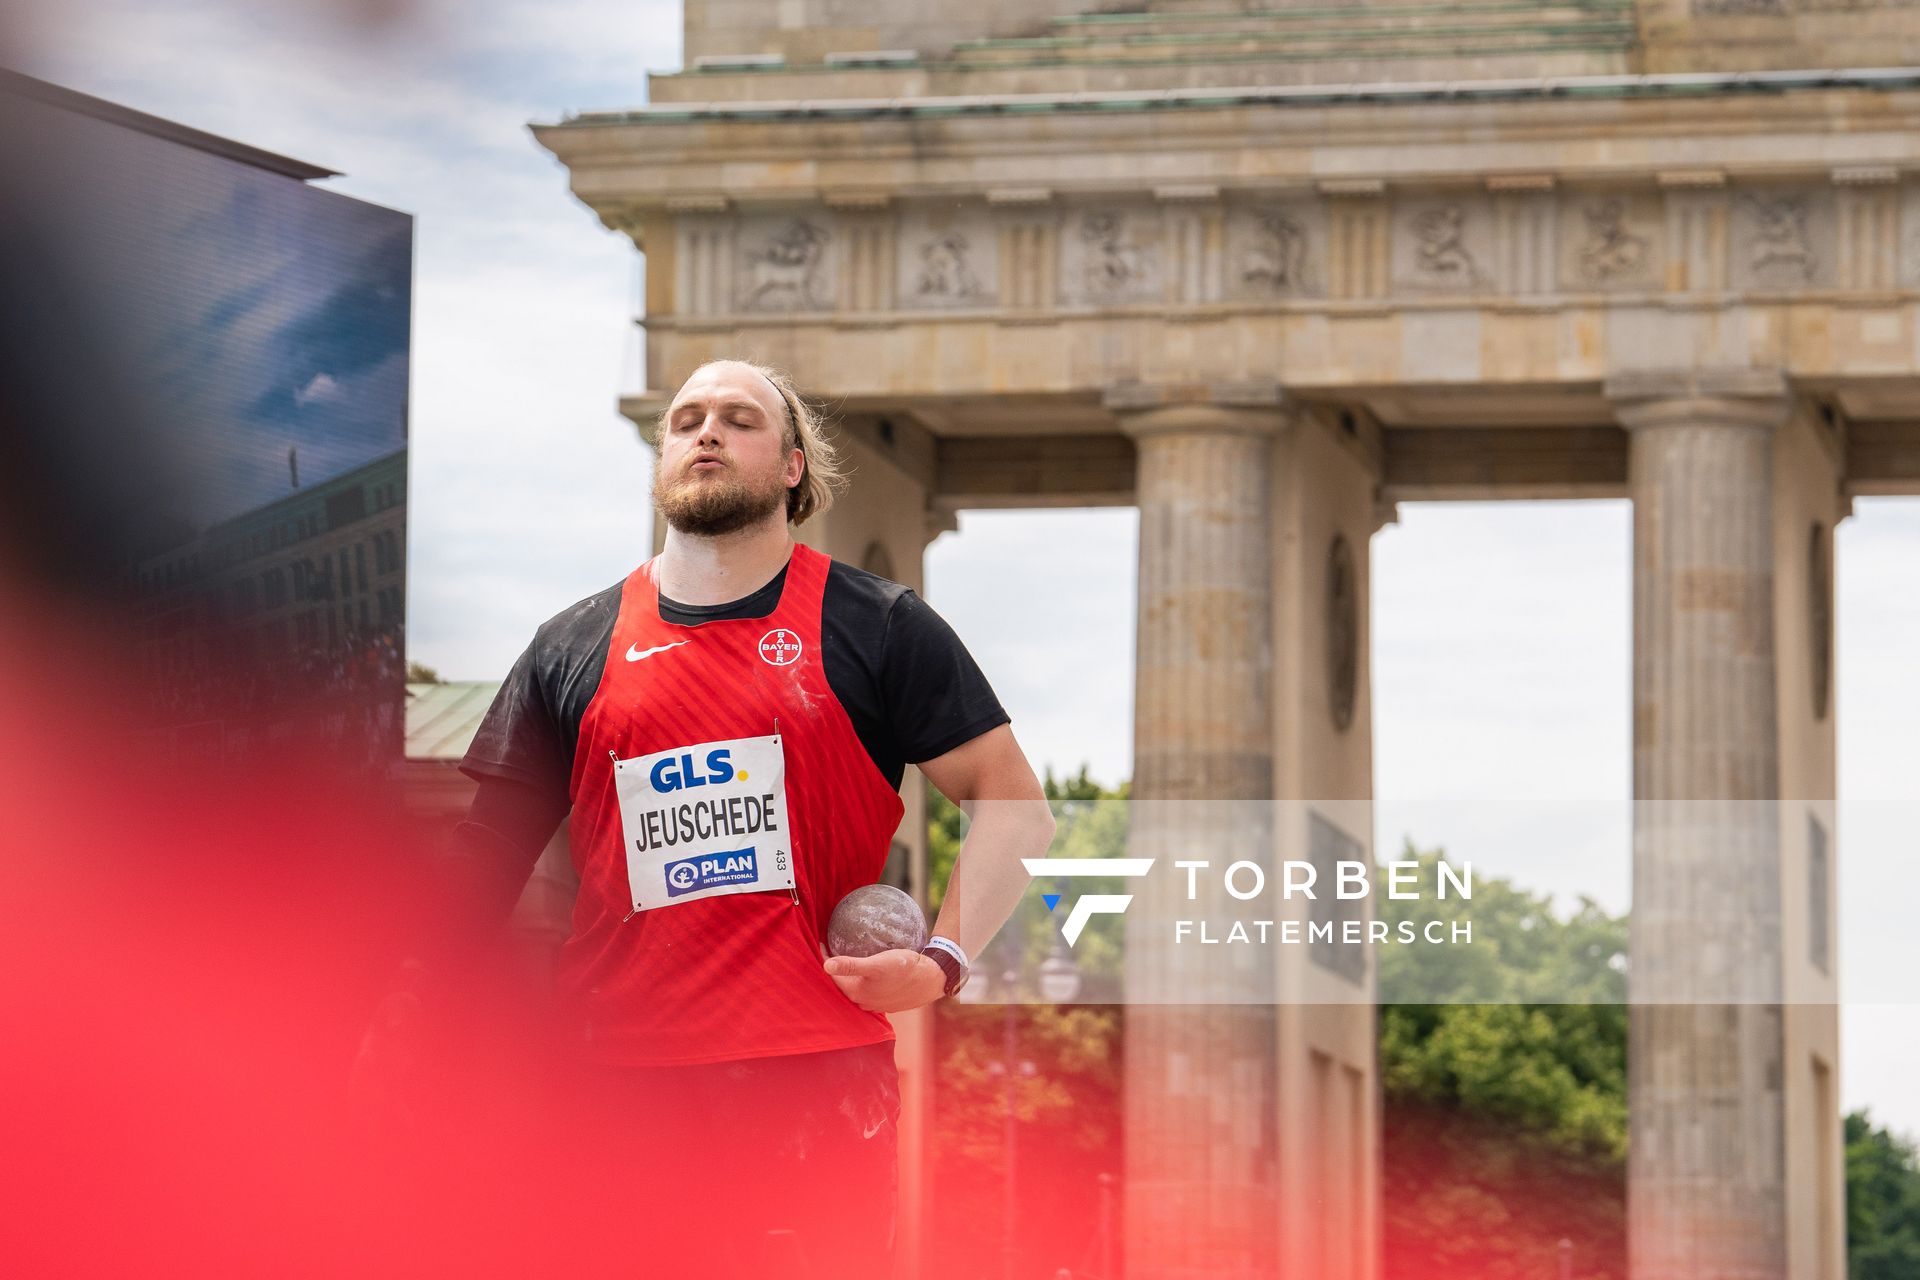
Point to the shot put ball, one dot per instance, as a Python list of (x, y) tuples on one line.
[(876, 918)]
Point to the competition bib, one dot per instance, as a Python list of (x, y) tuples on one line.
[(705, 820)]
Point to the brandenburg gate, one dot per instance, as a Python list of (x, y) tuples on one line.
[(1265, 273)]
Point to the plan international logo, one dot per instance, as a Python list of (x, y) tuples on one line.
[(690, 875)]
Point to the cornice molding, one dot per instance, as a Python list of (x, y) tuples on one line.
[(1826, 108)]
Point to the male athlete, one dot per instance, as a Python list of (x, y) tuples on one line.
[(728, 728)]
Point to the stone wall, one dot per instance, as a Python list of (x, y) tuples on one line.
[(806, 31), (1070, 45)]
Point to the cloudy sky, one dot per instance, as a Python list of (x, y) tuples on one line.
[(1501, 634)]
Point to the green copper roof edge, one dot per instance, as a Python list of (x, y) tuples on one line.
[(1653, 86)]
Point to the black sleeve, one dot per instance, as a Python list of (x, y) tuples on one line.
[(935, 693), (529, 733), (492, 852), (519, 738)]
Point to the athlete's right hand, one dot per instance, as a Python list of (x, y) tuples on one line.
[(888, 982)]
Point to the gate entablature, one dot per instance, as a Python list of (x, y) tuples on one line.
[(1456, 264)]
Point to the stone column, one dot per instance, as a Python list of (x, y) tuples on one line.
[(1201, 1078), (1706, 1167)]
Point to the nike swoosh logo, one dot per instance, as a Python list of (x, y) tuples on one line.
[(635, 652)]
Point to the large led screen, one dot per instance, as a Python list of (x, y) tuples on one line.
[(256, 330)]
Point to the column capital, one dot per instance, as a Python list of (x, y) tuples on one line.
[(1218, 408), (1700, 397)]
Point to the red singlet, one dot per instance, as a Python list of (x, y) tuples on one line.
[(740, 975)]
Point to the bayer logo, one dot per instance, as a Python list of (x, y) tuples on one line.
[(681, 875), (780, 647)]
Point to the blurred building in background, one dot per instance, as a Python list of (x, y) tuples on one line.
[(1265, 272), (255, 331), (306, 595)]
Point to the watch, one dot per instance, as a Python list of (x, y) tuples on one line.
[(946, 953)]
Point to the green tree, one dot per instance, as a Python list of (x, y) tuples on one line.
[(421, 673), (1504, 1069), (1883, 1202), (1526, 1025)]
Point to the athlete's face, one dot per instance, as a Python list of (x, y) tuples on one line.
[(724, 460)]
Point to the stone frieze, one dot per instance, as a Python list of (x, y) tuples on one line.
[(1254, 248)]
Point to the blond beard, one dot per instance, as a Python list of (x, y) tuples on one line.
[(718, 505)]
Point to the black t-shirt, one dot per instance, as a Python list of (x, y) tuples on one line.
[(909, 686)]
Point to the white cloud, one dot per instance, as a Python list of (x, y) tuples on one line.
[(321, 389)]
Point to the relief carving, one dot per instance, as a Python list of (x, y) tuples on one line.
[(1276, 260), (784, 273), (947, 256), (1440, 254), (1276, 250), (1780, 253), (946, 273), (1611, 252), (1112, 267)]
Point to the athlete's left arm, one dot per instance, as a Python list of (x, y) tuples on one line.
[(990, 779)]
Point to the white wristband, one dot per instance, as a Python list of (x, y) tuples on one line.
[(951, 947)]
